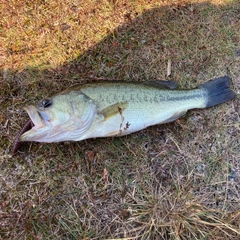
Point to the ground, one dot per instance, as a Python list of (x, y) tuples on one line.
[(173, 181)]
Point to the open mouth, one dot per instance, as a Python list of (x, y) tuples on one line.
[(37, 120), (37, 117)]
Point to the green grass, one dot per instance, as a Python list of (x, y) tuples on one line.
[(172, 181)]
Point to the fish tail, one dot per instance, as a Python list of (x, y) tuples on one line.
[(218, 91)]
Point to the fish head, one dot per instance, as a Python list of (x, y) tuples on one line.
[(64, 117)]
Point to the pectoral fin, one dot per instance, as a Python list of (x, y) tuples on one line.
[(113, 110)]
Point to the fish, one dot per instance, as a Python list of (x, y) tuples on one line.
[(117, 108)]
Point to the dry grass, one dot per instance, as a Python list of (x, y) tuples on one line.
[(174, 181)]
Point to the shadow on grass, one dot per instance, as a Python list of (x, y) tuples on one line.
[(199, 39)]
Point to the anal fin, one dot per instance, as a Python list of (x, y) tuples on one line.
[(174, 117)]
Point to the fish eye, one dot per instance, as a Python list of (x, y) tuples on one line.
[(46, 103)]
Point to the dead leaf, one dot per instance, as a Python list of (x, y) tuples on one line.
[(105, 175)]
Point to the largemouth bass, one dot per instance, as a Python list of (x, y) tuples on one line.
[(117, 108)]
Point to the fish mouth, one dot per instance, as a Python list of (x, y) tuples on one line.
[(40, 124)]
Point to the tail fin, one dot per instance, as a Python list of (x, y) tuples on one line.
[(218, 91)]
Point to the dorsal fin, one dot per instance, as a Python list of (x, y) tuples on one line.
[(162, 84)]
